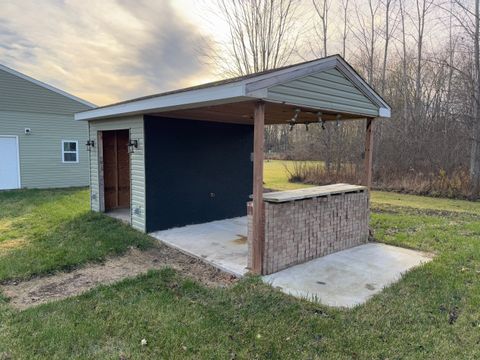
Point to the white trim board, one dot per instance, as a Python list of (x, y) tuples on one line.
[(46, 86), (250, 88), (77, 152), (177, 101)]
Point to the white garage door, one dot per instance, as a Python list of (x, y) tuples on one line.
[(9, 169)]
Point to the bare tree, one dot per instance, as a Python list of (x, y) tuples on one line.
[(404, 62), (390, 26), (433, 87), (345, 4), (321, 9), (422, 10), (261, 35), (365, 33), (475, 152), (467, 16)]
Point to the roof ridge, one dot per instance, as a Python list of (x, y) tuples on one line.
[(230, 80)]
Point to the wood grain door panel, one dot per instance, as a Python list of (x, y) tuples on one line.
[(116, 169), (110, 169)]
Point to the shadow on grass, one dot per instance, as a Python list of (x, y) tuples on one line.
[(25, 214), (14, 203), (85, 238)]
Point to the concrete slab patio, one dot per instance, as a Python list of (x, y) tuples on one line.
[(344, 279), (349, 277), (120, 214), (221, 243)]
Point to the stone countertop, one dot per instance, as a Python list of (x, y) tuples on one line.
[(312, 192)]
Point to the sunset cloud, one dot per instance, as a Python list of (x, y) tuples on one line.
[(102, 51)]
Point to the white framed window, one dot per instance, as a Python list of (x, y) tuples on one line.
[(69, 151)]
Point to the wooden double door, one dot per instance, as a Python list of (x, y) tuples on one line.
[(116, 169)]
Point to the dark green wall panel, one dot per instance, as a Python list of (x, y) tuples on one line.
[(196, 171)]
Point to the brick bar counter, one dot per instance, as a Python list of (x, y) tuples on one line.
[(301, 225)]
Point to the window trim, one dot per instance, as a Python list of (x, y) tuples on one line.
[(76, 152)]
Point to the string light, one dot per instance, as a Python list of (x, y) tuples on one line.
[(293, 120), (295, 115), (320, 120)]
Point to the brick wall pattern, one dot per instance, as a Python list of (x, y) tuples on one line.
[(302, 230)]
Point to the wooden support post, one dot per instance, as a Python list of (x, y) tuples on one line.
[(368, 154), (258, 215)]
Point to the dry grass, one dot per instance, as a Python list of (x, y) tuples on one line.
[(454, 185), (318, 174), (12, 245), (439, 184)]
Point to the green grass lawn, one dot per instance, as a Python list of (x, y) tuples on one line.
[(276, 177), (431, 313), (46, 230)]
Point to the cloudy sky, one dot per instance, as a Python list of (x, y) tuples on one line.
[(109, 50)]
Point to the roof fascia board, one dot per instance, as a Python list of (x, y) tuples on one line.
[(46, 86), (259, 94), (385, 112), (184, 100)]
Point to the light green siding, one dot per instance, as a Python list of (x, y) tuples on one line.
[(328, 90), (137, 166), (18, 94), (49, 115), (40, 152)]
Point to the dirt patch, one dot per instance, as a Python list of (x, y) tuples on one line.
[(41, 290)]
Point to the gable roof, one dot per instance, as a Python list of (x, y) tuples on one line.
[(45, 86), (242, 88)]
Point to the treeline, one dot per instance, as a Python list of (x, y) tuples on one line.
[(421, 55)]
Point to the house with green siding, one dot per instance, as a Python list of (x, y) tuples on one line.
[(41, 145)]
